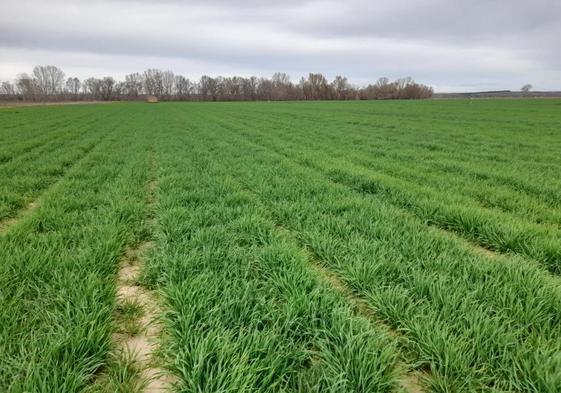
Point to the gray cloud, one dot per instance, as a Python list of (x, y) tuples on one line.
[(464, 44)]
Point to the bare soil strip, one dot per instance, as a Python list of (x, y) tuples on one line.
[(409, 381), (143, 342), (23, 213)]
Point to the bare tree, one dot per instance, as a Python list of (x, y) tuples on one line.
[(183, 87), (341, 88), (236, 88), (383, 81), (106, 89), (526, 88), (282, 86), (47, 83), (132, 86), (48, 79), (319, 88), (416, 91), (265, 89), (73, 86), (249, 88), (403, 88), (7, 89), (153, 82), (27, 87), (208, 88), (229, 89), (92, 87), (384, 89), (168, 84), (402, 83), (305, 88)]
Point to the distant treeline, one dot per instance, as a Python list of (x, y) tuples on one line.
[(500, 94), (49, 83)]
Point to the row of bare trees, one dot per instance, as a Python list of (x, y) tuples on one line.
[(48, 83)]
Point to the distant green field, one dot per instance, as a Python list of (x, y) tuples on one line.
[(389, 246)]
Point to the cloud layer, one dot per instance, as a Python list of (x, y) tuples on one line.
[(452, 45)]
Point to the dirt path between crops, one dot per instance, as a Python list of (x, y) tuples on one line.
[(25, 212), (142, 341), (143, 345)]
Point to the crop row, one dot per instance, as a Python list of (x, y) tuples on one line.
[(444, 150), (468, 137), (474, 322), (444, 206), (57, 276), (23, 178), (246, 311), (24, 130), (273, 222)]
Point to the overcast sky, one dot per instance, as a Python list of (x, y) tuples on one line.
[(453, 45)]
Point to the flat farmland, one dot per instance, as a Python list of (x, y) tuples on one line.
[(371, 246)]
